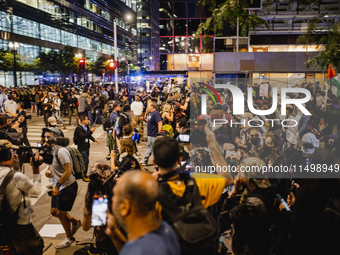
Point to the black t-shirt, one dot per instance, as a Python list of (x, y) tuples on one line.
[(24, 123), (128, 162)]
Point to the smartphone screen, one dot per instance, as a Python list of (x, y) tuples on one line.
[(283, 202), (110, 131), (39, 145), (99, 208), (184, 138)]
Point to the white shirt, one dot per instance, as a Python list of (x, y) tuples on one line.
[(21, 183), (137, 108), (11, 106), (58, 102)]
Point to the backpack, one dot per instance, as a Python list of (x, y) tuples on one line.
[(78, 170), (106, 123), (75, 138), (8, 218), (106, 120), (168, 128), (15, 138), (196, 229)]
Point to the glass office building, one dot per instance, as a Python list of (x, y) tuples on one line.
[(148, 33), (180, 49), (41, 25)]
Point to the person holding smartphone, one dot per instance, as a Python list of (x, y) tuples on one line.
[(100, 186)]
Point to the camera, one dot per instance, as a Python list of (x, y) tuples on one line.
[(45, 151)]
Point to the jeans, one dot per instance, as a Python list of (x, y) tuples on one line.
[(98, 117), (86, 155), (90, 115), (58, 117), (149, 147)]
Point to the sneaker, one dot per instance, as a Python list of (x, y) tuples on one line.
[(65, 126), (86, 179), (67, 242), (76, 227), (143, 162)]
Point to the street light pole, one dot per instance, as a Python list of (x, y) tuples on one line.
[(116, 52), (14, 47)]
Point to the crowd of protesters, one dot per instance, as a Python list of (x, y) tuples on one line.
[(185, 206)]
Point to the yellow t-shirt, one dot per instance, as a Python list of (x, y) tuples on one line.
[(210, 186)]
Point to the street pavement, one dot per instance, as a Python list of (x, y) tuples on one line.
[(42, 204)]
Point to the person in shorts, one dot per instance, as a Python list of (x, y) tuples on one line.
[(65, 187)]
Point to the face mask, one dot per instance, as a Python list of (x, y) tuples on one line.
[(308, 149), (255, 141), (266, 151)]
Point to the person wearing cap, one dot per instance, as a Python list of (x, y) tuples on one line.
[(73, 109), (52, 122), (26, 239), (65, 187), (56, 104), (253, 217)]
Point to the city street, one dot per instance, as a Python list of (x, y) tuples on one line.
[(42, 204)]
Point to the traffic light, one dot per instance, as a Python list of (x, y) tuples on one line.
[(82, 65), (112, 65)]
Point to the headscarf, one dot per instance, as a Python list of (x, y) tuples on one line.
[(309, 142), (102, 171)]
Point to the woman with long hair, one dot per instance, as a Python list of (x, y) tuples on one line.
[(127, 159), (101, 184)]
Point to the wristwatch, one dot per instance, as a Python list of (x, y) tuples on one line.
[(58, 184)]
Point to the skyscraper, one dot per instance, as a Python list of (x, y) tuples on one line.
[(148, 33)]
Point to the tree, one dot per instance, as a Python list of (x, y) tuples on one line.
[(69, 62), (50, 61), (6, 60), (330, 39), (228, 13)]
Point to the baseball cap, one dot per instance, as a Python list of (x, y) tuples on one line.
[(256, 176), (7, 145), (52, 121), (52, 129)]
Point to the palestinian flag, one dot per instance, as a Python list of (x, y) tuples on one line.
[(332, 79)]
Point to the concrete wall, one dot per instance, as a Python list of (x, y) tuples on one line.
[(262, 62)]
